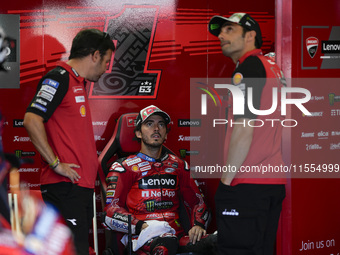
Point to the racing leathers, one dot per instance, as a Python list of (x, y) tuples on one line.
[(151, 189)]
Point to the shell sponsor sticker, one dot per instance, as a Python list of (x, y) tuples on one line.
[(135, 168), (237, 79), (82, 111)]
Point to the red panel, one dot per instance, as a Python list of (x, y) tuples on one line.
[(179, 49), (312, 211)]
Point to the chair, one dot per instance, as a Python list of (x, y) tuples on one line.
[(122, 143)]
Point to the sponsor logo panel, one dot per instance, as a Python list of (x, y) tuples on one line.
[(45, 95), (335, 112), (334, 146), (48, 89), (167, 181), (18, 123), (310, 147), (133, 161), (333, 98), (28, 170), (330, 47), (152, 205), (80, 99), (51, 83), (21, 153), (21, 139), (189, 122), (155, 193), (39, 107), (189, 138)]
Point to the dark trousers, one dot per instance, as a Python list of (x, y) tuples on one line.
[(247, 218), (76, 206)]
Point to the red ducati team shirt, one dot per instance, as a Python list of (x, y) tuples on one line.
[(263, 164), (61, 101)]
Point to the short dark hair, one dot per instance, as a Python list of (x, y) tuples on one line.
[(245, 30), (87, 41)]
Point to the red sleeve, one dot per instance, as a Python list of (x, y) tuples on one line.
[(193, 199), (119, 182)]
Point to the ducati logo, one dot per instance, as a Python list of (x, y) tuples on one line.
[(312, 44)]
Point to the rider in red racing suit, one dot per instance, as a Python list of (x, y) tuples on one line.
[(150, 190)]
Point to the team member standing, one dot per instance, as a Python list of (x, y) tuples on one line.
[(148, 186), (58, 121), (249, 205)]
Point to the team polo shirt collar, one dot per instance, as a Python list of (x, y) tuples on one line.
[(71, 71), (256, 52)]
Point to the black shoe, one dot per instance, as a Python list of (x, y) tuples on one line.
[(207, 245)]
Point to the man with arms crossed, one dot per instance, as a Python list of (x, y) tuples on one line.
[(248, 205), (58, 121)]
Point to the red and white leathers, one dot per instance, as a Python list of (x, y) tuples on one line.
[(151, 189)]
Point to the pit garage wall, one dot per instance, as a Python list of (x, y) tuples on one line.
[(160, 46), (310, 221)]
